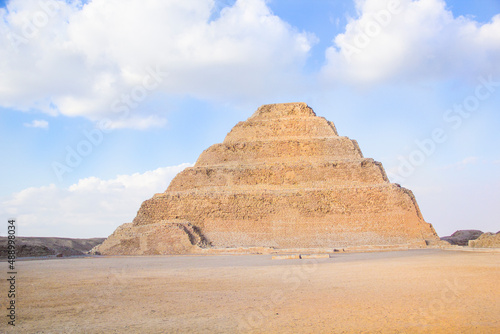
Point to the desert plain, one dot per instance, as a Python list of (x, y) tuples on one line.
[(414, 291)]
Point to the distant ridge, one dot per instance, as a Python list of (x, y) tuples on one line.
[(46, 246)]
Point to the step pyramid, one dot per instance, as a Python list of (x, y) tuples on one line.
[(283, 178)]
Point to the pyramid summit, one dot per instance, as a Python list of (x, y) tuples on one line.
[(284, 179)]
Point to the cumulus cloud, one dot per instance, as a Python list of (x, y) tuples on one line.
[(409, 40), (42, 124), (92, 207), (105, 58)]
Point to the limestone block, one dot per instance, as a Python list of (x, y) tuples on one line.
[(286, 257)]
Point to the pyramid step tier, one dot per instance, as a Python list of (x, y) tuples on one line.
[(280, 175), (288, 151), (294, 217), (199, 206), (289, 127)]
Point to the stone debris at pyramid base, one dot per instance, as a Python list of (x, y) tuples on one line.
[(281, 180)]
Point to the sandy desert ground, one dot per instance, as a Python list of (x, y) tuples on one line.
[(417, 291)]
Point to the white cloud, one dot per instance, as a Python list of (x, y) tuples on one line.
[(412, 40), (462, 164), (42, 124), (92, 207), (138, 122), (106, 57)]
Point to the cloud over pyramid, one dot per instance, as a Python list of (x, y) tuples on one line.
[(283, 178)]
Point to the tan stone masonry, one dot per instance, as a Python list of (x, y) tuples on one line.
[(282, 179)]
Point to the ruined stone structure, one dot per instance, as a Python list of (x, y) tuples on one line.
[(283, 178), (486, 240)]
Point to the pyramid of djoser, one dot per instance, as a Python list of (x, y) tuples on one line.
[(282, 179)]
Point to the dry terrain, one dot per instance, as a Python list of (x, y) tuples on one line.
[(416, 291)]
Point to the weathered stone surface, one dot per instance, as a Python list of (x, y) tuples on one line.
[(283, 179), (486, 240), (314, 256), (175, 237), (462, 237)]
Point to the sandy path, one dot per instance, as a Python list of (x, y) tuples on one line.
[(424, 291)]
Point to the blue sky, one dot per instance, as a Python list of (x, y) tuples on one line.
[(140, 89)]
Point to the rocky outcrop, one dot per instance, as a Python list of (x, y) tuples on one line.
[(284, 178), (462, 237), (486, 240)]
